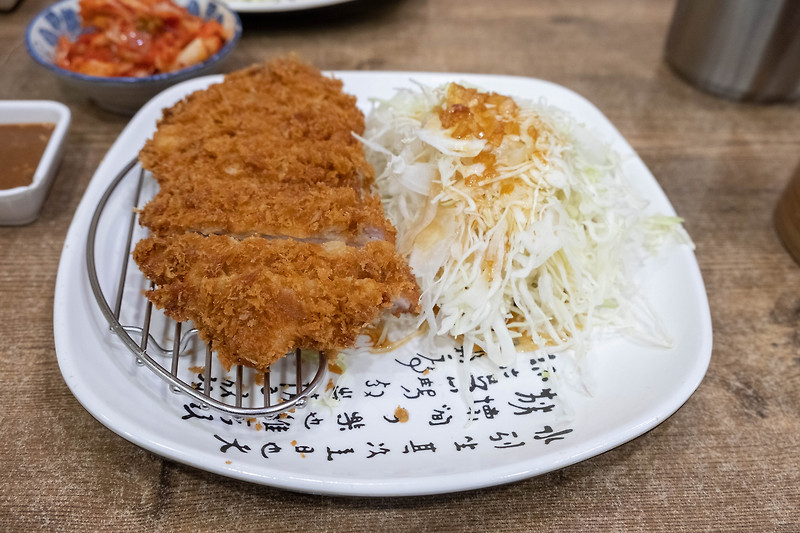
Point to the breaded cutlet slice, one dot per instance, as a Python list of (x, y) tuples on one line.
[(257, 299), (279, 122), (315, 212)]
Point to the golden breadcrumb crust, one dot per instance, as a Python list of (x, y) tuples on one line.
[(258, 299), (294, 210), (278, 122), (265, 232)]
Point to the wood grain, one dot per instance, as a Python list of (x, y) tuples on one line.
[(726, 461)]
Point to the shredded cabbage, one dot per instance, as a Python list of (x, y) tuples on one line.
[(516, 220)]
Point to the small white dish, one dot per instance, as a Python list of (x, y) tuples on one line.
[(122, 95), (20, 205)]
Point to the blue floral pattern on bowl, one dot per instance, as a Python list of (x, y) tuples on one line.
[(128, 94)]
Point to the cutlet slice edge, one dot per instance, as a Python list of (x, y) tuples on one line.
[(314, 213), (242, 305)]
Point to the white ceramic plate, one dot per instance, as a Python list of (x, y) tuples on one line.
[(274, 6), (525, 424)]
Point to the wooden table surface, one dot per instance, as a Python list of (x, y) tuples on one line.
[(728, 460)]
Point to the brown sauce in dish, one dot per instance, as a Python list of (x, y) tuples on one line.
[(21, 148)]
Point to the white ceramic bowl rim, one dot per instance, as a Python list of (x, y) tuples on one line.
[(130, 80)]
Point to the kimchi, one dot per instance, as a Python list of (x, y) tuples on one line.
[(138, 38)]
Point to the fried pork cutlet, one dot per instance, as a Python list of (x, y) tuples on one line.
[(265, 232), (317, 212), (257, 299), (281, 123)]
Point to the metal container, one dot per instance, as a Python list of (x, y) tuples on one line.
[(739, 49)]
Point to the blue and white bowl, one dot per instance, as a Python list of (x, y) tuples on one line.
[(122, 94)]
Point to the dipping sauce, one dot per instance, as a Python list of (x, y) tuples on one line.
[(21, 148)]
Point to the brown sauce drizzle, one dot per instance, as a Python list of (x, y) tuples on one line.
[(470, 114), (379, 343)]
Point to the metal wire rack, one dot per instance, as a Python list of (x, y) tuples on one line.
[(147, 348)]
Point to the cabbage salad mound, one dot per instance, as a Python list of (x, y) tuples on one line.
[(517, 221)]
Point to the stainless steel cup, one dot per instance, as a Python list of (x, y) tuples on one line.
[(739, 49)]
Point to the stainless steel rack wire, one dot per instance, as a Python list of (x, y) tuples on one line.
[(147, 348)]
